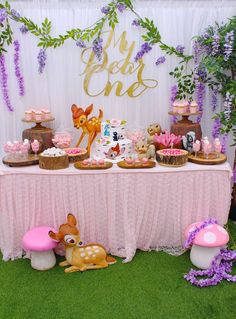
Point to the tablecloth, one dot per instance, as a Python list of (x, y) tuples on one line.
[(122, 209)]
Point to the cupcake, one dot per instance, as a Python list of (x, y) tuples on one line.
[(193, 108), (46, 114), (38, 116), (28, 115)]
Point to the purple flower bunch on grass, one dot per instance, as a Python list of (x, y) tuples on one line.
[(145, 48), (220, 269), (42, 57), (4, 85), (228, 46), (19, 77), (97, 48)]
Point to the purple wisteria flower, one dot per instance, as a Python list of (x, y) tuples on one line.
[(215, 44), (23, 29), (105, 10), (19, 77), (180, 49), (160, 60), (216, 128), (42, 57), (80, 43), (224, 143), (121, 6), (174, 92), (15, 14), (135, 23), (228, 106), (3, 82), (3, 15), (196, 52), (200, 94), (97, 48), (214, 99), (145, 48), (228, 46)]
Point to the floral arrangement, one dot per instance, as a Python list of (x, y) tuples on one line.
[(221, 266), (220, 269), (168, 140)]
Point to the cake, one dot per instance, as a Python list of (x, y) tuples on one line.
[(172, 157), (113, 144), (53, 158), (76, 154)]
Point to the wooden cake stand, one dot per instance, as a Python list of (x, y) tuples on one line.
[(212, 159), (80, 165), (15, 161), (183, 126), (38, 132)]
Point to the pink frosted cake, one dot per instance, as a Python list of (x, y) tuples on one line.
[(172, 157)]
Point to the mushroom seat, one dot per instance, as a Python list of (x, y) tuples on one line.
[(207, 244), (41, 246)]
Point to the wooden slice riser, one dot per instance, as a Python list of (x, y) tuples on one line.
[(53, 163), (172, 160), (17, 161)]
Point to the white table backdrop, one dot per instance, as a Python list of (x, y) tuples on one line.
[(61, 85)]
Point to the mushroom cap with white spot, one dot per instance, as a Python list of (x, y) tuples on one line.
[(212, 235)]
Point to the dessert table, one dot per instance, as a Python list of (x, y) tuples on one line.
[(122, 209)]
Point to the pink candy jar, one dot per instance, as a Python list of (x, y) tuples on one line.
[(62, 139)]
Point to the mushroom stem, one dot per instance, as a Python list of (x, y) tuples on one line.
[(43, 260), (202, 257)]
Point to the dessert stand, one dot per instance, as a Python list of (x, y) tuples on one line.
[(183, 126), (13, 160), (211, 160), (38, 132)]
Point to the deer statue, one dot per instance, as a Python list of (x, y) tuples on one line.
[(81, 258), (90, 126)]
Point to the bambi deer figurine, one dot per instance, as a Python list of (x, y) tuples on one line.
[(90, 126), (81, 258)]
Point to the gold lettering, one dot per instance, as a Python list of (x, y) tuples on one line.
[(123, 66)]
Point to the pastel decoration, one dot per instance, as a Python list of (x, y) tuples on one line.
[(115, 122), (79, 257), (101, 161), (129, 160), (206, 244), (90, 127), (41, 247)]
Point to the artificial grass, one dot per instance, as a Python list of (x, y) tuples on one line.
[(151, 286)]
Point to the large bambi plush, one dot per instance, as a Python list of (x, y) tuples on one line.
[(80, 258), (90, 126)]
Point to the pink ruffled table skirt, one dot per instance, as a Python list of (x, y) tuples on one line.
[(122, 209)]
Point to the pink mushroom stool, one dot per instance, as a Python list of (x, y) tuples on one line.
[(207, 244), (38, 242)]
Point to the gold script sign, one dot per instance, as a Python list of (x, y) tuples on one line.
[(122, 67)]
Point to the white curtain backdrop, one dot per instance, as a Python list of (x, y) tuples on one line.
[(61, 84)]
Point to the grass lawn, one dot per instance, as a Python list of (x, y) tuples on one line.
[(151, 286)]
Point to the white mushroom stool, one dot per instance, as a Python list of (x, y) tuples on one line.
[(38, 242), (207, 244)]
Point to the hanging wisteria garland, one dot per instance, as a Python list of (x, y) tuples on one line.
[(18, 74), (221, 266), (4, 83)]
